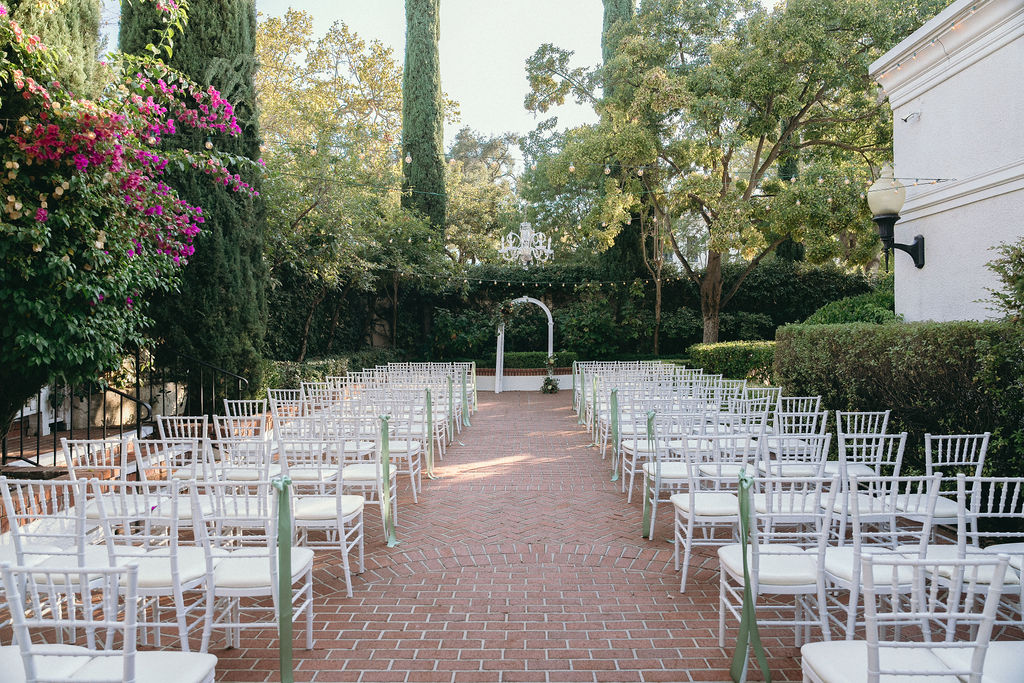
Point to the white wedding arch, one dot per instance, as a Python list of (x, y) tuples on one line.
[(499, 363)]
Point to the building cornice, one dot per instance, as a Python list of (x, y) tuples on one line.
[(954, 194), (959, 36)]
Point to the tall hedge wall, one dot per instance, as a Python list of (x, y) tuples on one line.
[(456, 320), (942, 378)]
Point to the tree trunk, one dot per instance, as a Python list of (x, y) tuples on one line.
[(711, 297), (309, 321), (657, 312)]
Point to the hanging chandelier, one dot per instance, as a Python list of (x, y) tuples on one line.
[(526, 246)]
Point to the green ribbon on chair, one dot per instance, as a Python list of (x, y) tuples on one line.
[(451, 411), (574, 385), (615, 433), (284, 576), (594, 417), (476, 399), (385, 494), (749, 637), (430, 436), (647, 480), (465, 401)]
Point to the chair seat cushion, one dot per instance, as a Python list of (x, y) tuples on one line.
[(778, 564), (312, 473), (915, 502), (669, 470), (857, 468), (1014, 550), (950, 552), (309, 508), (847, 661), (155, 567), (249, 568), (789, 469), (784, 504), (248, 473), (402, 446), (1002, 660), (33, 553), (866, 504), (95, 556), (150, 667), (185, 508), (839, 563), (708, 503), (727, 470), (362, 471)]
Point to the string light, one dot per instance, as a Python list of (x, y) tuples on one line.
[(953, 26), (607, 170), (572, 168), (408, 158)]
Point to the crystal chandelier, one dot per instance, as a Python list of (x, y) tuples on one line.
[(526, 246)]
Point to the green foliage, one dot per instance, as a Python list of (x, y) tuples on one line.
[(737, 360), (871, 307), (423, 113), (1009, 268), (220, 313), (291, 374), (71, 29), (939, 378), (550, 386), (516, 360)]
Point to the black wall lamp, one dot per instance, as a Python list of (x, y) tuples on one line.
[(885, 199)]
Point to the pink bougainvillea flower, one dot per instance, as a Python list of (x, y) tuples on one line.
[(42, 215)]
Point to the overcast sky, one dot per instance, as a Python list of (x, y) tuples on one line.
[(484, 46)]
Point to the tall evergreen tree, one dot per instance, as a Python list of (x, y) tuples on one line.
[(423, 114), (219, 315), (624, 259), (72, 26)]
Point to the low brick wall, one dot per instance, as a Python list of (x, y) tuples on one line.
[(522, 372)]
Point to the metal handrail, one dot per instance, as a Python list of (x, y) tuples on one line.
[(134, 399), (211, 366)]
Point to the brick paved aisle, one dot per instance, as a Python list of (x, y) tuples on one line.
[(521, 563)]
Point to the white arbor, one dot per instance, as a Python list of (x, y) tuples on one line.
[(499, 364)]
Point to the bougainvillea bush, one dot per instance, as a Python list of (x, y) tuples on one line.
[(88, 229)]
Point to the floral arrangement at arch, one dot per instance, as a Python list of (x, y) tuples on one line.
[(88, 228)]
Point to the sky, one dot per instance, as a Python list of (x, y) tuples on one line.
[(484, 45)]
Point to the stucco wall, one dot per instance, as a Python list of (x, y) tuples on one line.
[(958, 113)]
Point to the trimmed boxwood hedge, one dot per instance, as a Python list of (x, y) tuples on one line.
[(939, 378), (735, 360), (517, 360)]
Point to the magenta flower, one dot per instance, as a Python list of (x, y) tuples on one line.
[(41, 214)]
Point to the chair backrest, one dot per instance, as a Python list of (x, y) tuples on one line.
[(139, 516), (249, 459), (252, 407), (811, 422), (798, 404), (882, 453), (102, 607), (87, 458), (953, 606), (713, 460), (864, 423), (45, 517), (949, 452), (892, 512), (314, 465), (783, 453), (995, 511), (183, 426), (181, 459), (252, 427)]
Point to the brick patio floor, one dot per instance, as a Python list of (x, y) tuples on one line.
[(522, 562)]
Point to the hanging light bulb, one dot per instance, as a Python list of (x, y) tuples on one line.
[(408, 158), (209, 143), (572, 168), (607, 170), (533, 166), (640, 172)]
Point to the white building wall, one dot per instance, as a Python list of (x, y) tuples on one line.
[(957, 96)]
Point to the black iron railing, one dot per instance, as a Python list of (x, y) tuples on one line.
[(128, 400)]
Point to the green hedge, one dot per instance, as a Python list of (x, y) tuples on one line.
[(877, 307), (531, 359), (280, 374), (737, 360), (942, 378)]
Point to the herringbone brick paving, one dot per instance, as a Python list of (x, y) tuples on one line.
[(522, 562)]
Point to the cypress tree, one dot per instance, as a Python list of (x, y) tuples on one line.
[(219, 315), (423, 114), (73, 27), (624, 259)]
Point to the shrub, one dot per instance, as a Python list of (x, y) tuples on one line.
[(738, 360), (1009, 268), (876, 307), (283, 374), (942, 378)]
